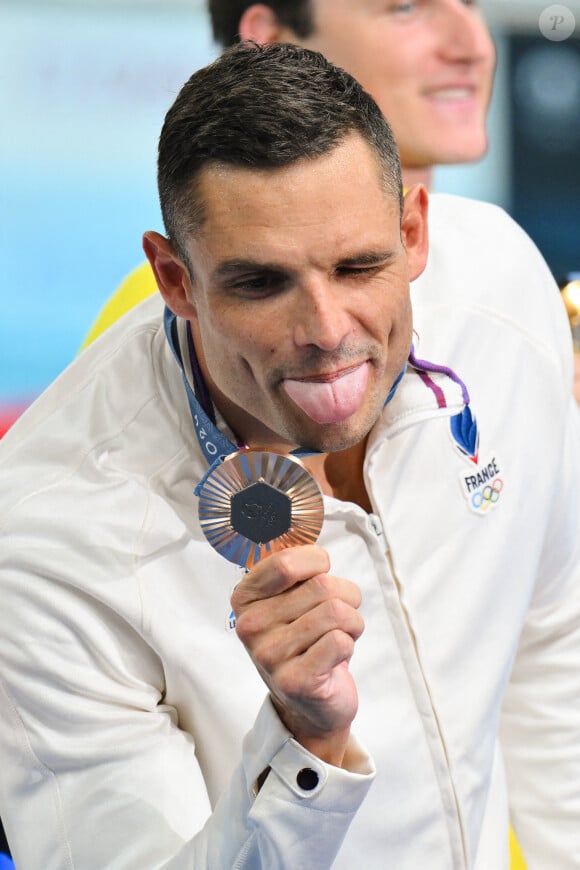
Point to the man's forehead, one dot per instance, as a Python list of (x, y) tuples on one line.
[(322, 9), (352, 165), (253, 227)]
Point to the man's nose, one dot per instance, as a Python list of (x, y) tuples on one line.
[(320, 317), (463, 35)]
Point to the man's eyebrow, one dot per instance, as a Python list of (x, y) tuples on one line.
[(368, 258), (231, 268)]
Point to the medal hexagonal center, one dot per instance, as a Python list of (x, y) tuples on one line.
[(261, 512)]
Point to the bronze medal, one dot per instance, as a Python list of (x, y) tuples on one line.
[(256, 502)]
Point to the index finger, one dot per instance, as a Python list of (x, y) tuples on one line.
[(280, 572)]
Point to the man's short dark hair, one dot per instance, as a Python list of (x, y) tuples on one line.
[(225, 17), (263, 107)]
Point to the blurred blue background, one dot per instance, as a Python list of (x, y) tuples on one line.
[(83, 92), (84, 87)]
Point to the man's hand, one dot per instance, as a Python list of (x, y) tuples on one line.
[(299, 625)]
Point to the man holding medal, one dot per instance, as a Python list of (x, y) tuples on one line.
[(276, 592)]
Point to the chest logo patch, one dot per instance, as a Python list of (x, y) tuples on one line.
[(483, 485), (465, 434)]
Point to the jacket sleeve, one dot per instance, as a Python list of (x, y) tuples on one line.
[(281, 824), (541, 715), (95, 770)]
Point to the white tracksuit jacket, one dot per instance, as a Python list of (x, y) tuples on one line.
[(133, 725)]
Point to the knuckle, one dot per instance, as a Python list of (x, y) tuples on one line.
[(337, 612), (301, 562), (267, 649), (291, 682), (266, 655), (356, 594), (323, 586), (342, 642), (286, 565), (342, 639), (242, 596), (248, 624), (236, 600)]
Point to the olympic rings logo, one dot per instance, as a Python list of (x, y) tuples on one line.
[(484, 498)]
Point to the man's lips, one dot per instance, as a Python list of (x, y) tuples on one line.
[(452, 93), (328, 377), (457, 92), (330, 397)]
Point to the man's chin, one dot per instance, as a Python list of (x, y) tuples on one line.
[(335, 437)]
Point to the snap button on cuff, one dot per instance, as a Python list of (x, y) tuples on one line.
[(307, 779)]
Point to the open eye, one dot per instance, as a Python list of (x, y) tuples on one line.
[(259, 284), (402, 8)]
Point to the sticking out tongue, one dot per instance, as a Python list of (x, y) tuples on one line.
[(330, 401)]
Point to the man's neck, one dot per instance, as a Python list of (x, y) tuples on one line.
[(341, 474), (417, 175)]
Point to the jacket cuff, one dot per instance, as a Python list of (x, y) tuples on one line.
[(296, 775)]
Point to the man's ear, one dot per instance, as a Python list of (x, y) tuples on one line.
[(260, 24), (415, 229), (171, 274)]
